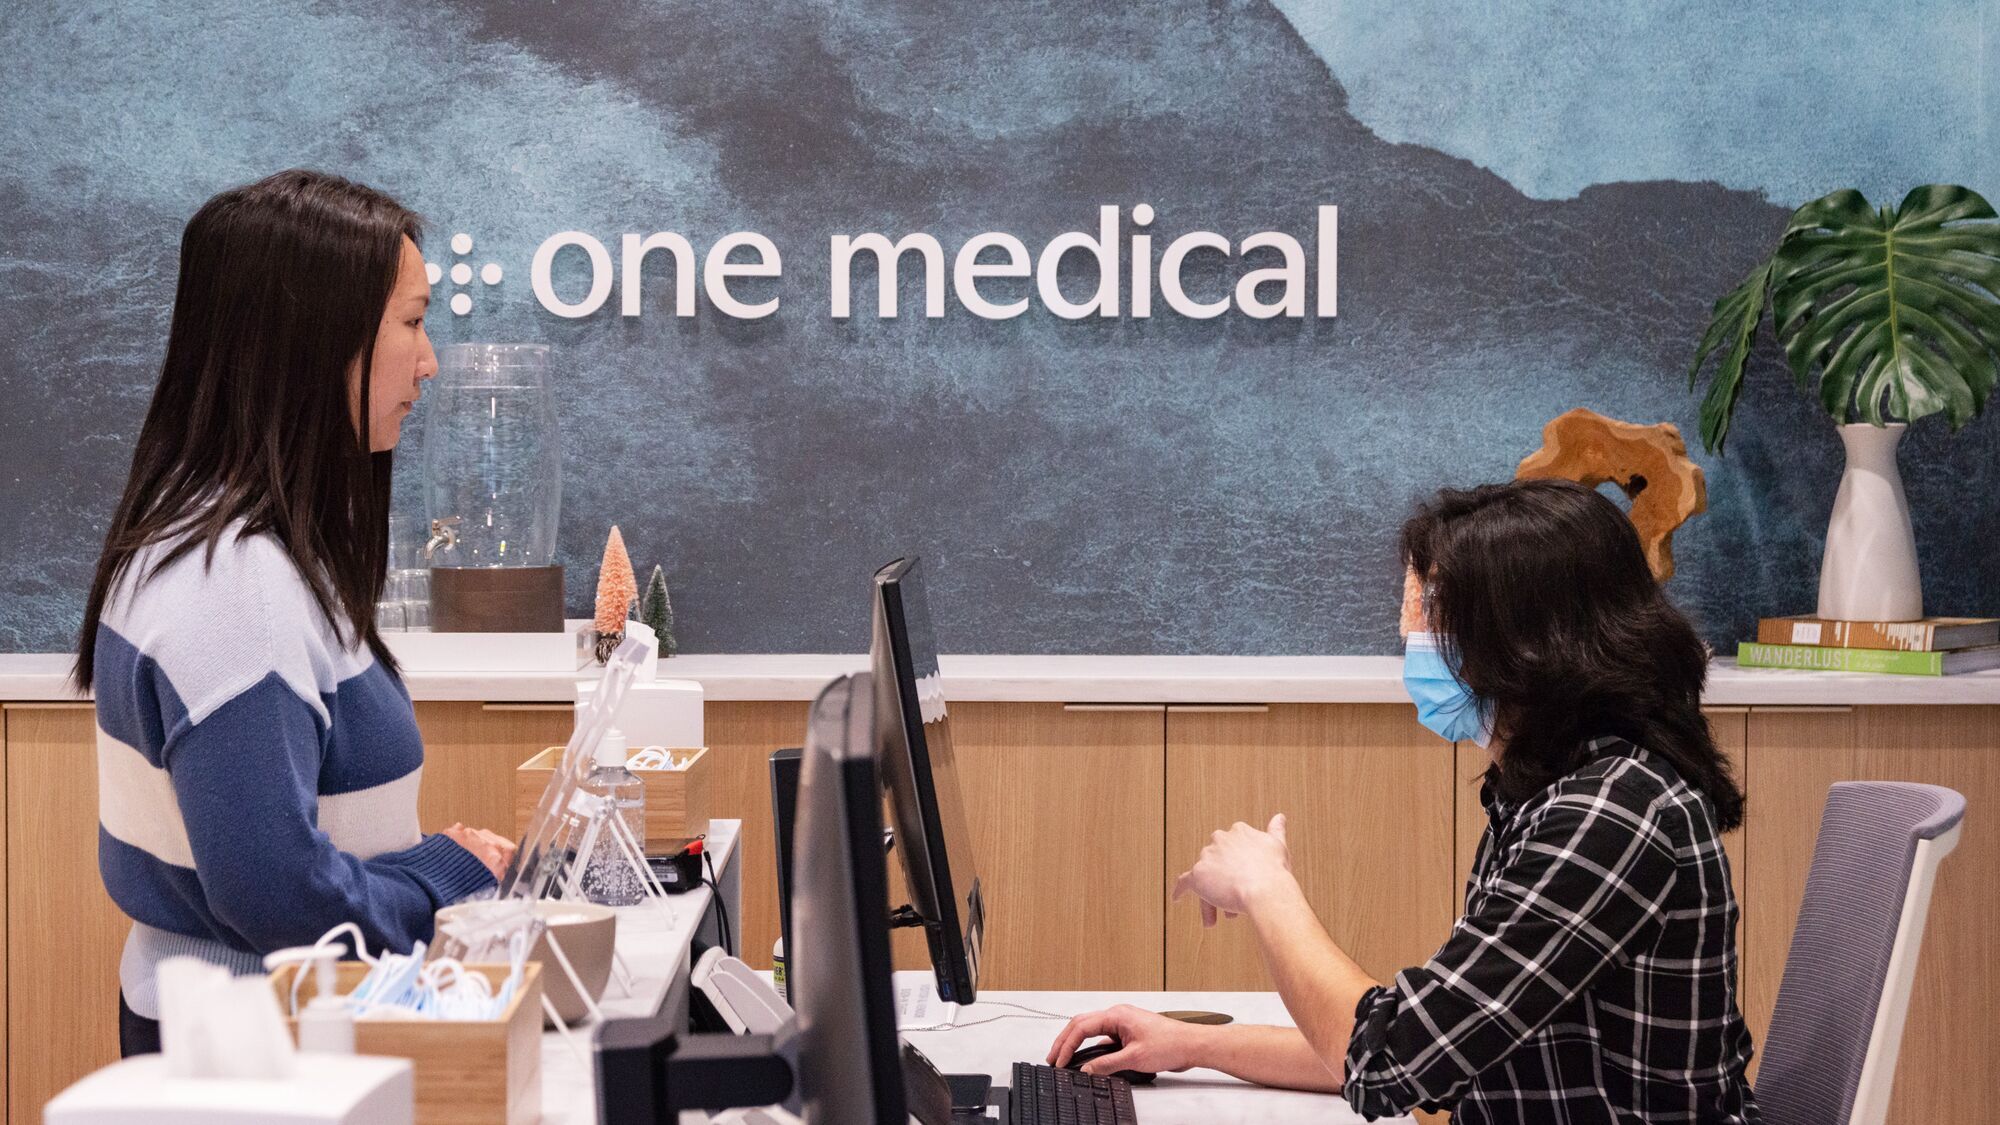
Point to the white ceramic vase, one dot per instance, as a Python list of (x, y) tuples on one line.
[(1869, 571)]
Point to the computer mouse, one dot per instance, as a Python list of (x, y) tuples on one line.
[(1098, 1051)]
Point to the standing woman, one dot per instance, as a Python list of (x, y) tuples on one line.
[(258, 756)]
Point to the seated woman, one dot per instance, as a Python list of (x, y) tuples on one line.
[(1592, 977)]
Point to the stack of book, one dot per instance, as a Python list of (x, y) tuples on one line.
[(1934, 646)]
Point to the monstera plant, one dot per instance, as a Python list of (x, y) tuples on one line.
[(1890, 316)]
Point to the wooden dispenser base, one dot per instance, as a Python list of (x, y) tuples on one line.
[(496, 599)]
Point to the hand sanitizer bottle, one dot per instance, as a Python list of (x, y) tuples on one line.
[(609, 877)]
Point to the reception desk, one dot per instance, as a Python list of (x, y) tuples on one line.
[(1090, 782)]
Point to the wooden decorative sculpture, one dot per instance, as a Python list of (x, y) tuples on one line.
[(1650, 463)]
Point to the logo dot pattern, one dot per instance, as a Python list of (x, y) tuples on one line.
[(461, 273)]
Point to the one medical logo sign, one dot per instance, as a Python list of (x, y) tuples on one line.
[(1129, 275)]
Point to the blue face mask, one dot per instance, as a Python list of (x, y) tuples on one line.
[(1444, 704)]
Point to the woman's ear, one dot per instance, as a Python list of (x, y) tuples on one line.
[(1412, 620)]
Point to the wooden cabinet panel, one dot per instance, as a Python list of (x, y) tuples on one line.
[(1067, 817), (1945, 1071), (470, 752), (741, 738), (3, 915), (1368, 793), (1066, 822), (1730, 727), (64, 935)]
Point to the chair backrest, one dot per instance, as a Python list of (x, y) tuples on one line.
[(1830, 1055)]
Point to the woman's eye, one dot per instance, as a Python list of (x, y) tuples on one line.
[(417, 323)]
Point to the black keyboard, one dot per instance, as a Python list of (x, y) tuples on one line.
[(1047, 1095)]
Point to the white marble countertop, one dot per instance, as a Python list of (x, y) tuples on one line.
[(652, 942), (1095, 679)]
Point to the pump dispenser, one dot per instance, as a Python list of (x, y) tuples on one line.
[(609, 879), (327, 1023), (612, 750)]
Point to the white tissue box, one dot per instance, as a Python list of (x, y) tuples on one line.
[(325, 1090), (656, 713)]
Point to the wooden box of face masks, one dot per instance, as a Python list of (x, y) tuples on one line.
[(468, 1072), (676, 798)]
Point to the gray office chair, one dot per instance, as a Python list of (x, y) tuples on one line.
[(1830, 1055)]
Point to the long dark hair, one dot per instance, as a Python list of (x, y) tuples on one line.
[(283, 285), (1540, 591)]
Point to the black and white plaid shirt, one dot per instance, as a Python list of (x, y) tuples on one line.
[(1593, 976)]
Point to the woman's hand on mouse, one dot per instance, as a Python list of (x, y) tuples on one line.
[(1150, 1042), (1238, 867)]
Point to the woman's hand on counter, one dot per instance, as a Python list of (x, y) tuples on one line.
[(494, 850)]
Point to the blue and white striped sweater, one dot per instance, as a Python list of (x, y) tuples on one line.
[(257, 777)]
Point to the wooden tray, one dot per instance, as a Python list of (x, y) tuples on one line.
[(468, 1072), (676, 800)]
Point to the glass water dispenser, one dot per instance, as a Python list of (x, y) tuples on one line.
[(493, 491)]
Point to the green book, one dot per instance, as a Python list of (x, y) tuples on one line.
[(1750, 654)]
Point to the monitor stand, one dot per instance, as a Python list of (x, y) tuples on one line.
[(940, 1099), (970, 1092)]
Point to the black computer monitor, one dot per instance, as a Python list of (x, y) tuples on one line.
[(848, 1067), (920, 773)]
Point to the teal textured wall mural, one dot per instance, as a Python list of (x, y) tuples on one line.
[(1537, 205)]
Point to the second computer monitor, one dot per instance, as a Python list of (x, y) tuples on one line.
[(914, 752), (848, 1067)]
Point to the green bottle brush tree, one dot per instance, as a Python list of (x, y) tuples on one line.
[(657, 610)]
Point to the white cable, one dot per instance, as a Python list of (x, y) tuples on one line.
[(1027, 1014), (651, 758), (360, 951), (1020, 1008)]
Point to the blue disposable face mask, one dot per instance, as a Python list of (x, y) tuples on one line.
[(1444, 703)]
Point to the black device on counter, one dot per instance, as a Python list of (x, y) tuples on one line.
[(679, 872)]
